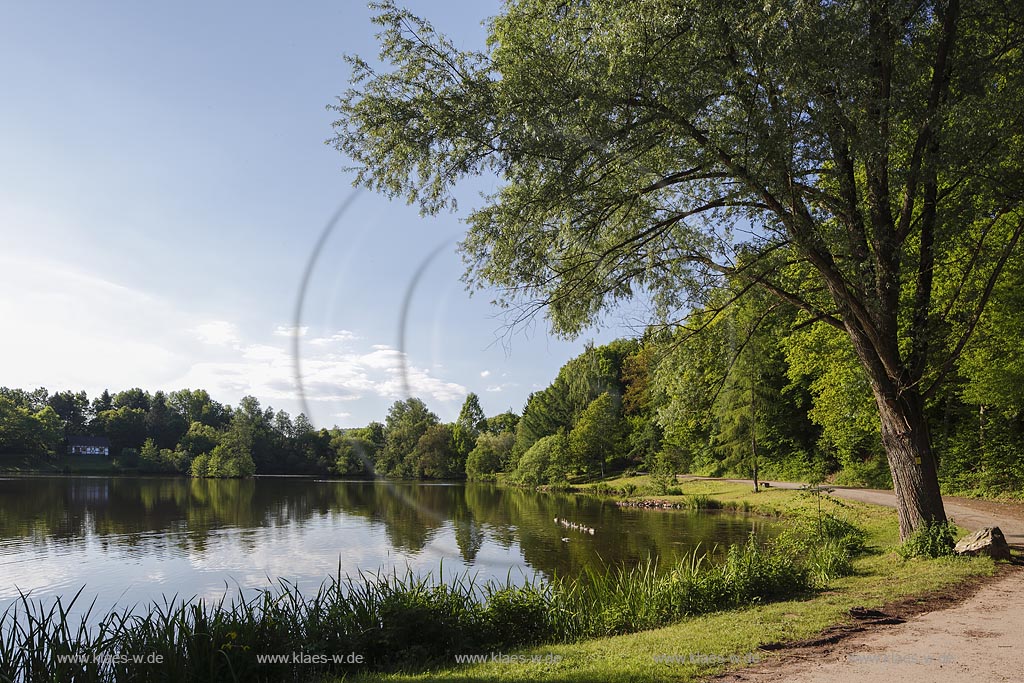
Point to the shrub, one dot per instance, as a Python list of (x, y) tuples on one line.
[(932, 539), (517, 615), (544, 462), (828, 560), (699, 501)]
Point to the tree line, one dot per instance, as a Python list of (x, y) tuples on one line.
[(746, 389), (188, 432), (751, 389)]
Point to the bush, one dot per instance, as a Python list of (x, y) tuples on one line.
[(932, 539), (810, 531), (200, 465), (517, 615), (545, 462), (661, 482), (828, 560), (488, 456), (827, 546), (699, 501)]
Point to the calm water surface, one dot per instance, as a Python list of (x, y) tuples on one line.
[(133, 540)]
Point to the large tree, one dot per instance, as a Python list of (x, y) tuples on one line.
[(842, 155), (467, 427)]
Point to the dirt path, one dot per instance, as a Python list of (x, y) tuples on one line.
[(975, 640)]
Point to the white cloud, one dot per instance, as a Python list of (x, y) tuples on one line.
[(339, 337), (74, 330), (217, 332), (291, 331), (485, 373), (267, 371)]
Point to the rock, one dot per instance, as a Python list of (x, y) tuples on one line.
[(659, 504), (989, 541)]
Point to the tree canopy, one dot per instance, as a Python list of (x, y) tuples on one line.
[(859, 161)]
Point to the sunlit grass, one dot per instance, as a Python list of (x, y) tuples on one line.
[(603, 625), (879, 576), (393, 621)]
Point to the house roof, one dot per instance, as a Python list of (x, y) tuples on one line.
[(89, 441)]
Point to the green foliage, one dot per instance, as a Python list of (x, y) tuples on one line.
[(200, 467), (546, 462), (124, 426), (489, 456), (700, 501), (823, 360), (435, 455), (23, 430), (163, 424), (521, 614), (355, 455), (503, 422), (930, 540), (470, 423), (406, 422), (154, 459), (231, 458), (393, 621), (197, 406), (596, 439), (200, 438), (73, 410)]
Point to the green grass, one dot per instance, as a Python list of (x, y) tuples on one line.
[(60, 464), (880, 575), (737, 632), (608, 626), (401, 621)]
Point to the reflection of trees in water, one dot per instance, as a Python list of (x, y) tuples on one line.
[(183, 513)]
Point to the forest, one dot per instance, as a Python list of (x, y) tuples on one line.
[(188, 432), (745, 389)]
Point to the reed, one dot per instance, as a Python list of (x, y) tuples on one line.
[(392, 620)]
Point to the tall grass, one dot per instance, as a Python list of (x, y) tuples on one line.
[(390, 620)]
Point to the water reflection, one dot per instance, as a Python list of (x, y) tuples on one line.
[(135, 539)]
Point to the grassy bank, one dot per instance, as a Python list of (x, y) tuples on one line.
[(697, 645), (404, 622), (60, 464), (625, 625)]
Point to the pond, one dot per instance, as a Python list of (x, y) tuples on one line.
[(134, 540)]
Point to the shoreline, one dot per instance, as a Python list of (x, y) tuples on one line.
[(882, 581)]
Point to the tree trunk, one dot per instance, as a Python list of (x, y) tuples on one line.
[(911, 460), (753, 435)]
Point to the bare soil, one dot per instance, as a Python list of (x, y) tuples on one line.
[(971, 633)]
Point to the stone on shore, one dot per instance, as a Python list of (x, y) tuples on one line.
[(988, 541)]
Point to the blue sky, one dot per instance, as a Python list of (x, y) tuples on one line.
[(163, 182)]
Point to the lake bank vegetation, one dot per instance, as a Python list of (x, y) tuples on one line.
[(405, 622), (411, 627), (881, 575), (790, 402)]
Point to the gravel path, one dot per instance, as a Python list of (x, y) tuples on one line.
[(975, 641)]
